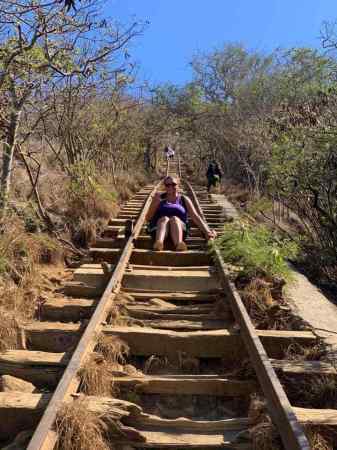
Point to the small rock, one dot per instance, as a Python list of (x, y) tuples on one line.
[(107, 268), (55, 280), (9, 384)]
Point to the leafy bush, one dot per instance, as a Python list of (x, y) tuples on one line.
[(256, 249)]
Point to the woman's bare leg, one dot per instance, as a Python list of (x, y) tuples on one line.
[(161, 233), (176, 233)]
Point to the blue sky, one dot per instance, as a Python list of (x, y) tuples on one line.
[(179, 29)]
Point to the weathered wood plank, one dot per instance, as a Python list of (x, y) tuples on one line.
[(167, 314), (171, 324), (150, 257), (199, 279), (316, 416), (172, 258), (20, 411), (184, 425), (9, 383), (67, 310), (179, 297), (110, 255), (174, 280), (61, 337), (175, 311), (207, 344), (192, 385), (168, 439), (52, 336), (43, 369), (144, 242), (304, 367), (77, 289)]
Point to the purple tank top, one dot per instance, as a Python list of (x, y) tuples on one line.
[(169, 209)]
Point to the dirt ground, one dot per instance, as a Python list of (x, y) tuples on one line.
[(312, 305)]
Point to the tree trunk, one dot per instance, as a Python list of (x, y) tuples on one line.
[(42, 211), (7, 164), (147, 158)]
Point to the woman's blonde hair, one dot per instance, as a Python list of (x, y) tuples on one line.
[(170, 178)]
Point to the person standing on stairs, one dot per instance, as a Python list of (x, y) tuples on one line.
[(213, 175), (169, 152), (168, 217)]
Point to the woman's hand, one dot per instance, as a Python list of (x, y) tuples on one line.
[(211, 234)]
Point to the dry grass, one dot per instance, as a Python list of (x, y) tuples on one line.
[(321, 438), (262, 431), (87, 214), (297, 352), (117, 318), (95, 423), (91, 204), (236, 193), (311, 391), (257, 298), (9, 331), (119, 315), (163, 364), (244, 371), (20, 250), (128, 183), (155, 364), (114, 350), (86, 231), (98, 372), (266, 306), (265, 437), (21, 254), (96, 377), (80, 429)]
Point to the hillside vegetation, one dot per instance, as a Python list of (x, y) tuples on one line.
[(270, 120)]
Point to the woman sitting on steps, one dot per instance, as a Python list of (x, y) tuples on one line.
[(167, 217)]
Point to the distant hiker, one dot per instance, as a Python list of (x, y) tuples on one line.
[(169, 152), (213, 175), (168, 217)]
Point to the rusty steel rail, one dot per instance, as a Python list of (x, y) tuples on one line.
[(280, 409), (44, 437), (179, 164)]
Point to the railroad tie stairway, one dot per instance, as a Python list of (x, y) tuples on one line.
[(187, 340)]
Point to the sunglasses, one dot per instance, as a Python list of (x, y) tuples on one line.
[(170, 184)]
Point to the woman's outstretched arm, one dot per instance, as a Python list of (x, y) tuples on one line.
[(202, 225)]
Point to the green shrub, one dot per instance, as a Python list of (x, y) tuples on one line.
[(255, 249)]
